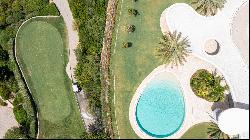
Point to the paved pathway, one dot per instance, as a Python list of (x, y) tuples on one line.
[(198, 29), (73, 38), (7, 119)]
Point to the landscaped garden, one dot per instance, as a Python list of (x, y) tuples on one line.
[(131, 65), (41, 49), (13, 89), (135, 39), (208, 86)]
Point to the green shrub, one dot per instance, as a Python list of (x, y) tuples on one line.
[(214, 132), (4, 92), (208, 86), (18, 100), (12, 14), (15, 133), (130, 28), (90, 18), (126, 44), (2, 102), (133, 12), (20, 114)]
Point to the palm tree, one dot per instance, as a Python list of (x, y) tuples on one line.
[(214, 132), (208, 7), (174, 48)]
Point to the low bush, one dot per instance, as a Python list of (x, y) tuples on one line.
[(208, 86), (127, 44), (2, 102), (15, 133), (130, 28), (133, 12), (20, 114)]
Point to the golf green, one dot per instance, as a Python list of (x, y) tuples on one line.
[(42, 54)]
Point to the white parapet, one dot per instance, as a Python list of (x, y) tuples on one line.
[(234, 121)]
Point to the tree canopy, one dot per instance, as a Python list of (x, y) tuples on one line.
[(173, 48), (208, 86)]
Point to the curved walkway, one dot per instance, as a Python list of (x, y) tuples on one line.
[(198, 29), (228, 61)]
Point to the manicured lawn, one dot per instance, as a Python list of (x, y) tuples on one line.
[(198, 131), (131, 65), (42, 54)]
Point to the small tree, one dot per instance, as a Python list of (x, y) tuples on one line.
[(127, 44), (15, 133), (131, 28), (133, 12), (208, 7), (208, 86), (214, 132), (173, 48)]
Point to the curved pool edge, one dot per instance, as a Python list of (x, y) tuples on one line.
[(136, 97)]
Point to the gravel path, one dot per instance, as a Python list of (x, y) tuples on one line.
[(73, 38), (198, 29), (7, 120)]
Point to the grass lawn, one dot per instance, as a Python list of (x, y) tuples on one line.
[(131, 65), (198, 131), (42, 53)]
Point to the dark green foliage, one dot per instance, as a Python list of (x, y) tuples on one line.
[(133, 12), (208, 7), (12, 14), (208, 86), (173, 48), (127, 44), (4, 56), (90, 17), (130, 28), (20, 114), (214, 132), (4, 92), (2, 102), (15, 133), (90, 22), (18, 100), (5, 73)]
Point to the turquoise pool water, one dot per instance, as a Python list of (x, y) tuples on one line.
[(160, 110)]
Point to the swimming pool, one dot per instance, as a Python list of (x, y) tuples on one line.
[(160, 109)]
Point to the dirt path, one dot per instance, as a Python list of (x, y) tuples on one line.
[(7, 119), (73, 38)]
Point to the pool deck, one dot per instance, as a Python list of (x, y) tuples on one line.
[(228, 62), (198, 29), (196, 109)]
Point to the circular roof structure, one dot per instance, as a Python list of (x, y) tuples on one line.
[(211, 47), (234, 121)]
